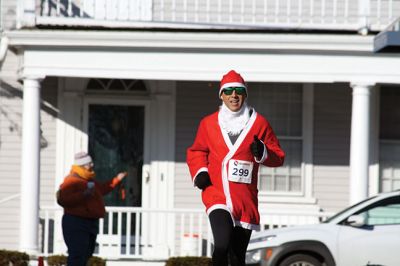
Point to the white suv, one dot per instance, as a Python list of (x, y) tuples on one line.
[(367, 233)]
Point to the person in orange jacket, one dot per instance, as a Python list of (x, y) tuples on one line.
[(81, 196)]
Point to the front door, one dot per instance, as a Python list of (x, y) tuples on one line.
[(116, 140)]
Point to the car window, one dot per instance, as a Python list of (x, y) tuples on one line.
[(384, 212), (345, 210)]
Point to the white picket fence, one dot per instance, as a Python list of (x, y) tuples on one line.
[(150, 234)]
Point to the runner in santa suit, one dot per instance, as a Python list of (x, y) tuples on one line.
[(223, 161)]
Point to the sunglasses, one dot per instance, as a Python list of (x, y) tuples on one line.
[(239, 90)]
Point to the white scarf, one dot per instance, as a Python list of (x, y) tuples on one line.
[(234, 122)]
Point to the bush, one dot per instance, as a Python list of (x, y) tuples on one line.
[(61, 260), (96, 261), (16, 258), (189, 261), (57, 260)]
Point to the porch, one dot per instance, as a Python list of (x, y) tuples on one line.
[(140, 234), (361, 15), (45, 55)]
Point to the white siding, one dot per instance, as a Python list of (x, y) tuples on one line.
[(8, 14), (332, 116), (10, 146), (10, 154), (194, 100), (48, 115), (9, 67)]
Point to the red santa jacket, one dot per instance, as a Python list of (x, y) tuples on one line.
[(232, 167)]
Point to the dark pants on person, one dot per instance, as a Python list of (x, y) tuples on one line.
[(229, 241), (80, 237)]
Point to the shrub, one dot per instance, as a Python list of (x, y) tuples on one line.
[(57, 260), (189, 261), (16, 258), (61, 260), (96, 261)]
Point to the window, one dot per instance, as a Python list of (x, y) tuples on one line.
[(389, 139), (386, 212), (116, 85), (282, 105)]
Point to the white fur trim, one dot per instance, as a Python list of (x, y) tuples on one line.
[(233, 122), (218, 206), (265, 155), (203, 169), (232, 151), (221, 207), (235, 222), (247, 225)]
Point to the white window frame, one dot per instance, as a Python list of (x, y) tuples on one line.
[(305, 195)]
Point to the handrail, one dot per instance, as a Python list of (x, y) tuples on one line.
[(4, 200), (394, 26), (268, 14), (187, 210)]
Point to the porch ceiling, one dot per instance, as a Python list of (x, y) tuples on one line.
[(204, 56)]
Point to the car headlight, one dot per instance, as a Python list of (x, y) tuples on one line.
[(262, 239), (253, 257)]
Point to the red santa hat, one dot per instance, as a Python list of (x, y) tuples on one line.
[(232, 79)]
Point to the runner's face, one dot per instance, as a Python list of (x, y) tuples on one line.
[(234, 101)]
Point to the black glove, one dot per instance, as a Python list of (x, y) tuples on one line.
[(257, 148), (202, 180)]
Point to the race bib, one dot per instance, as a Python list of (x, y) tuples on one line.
[(240, 171)]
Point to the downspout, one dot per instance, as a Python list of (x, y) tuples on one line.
[(4, 39), (3, 48)]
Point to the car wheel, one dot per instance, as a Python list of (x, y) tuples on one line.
[(300, 260)]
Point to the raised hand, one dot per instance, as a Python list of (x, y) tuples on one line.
[(257, 148), (122, 175)]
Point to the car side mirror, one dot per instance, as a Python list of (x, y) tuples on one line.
[(356, 220)]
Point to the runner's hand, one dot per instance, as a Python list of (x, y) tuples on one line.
[(257, 148), (202, 180)]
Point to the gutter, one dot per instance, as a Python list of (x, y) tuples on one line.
[(191, 40)]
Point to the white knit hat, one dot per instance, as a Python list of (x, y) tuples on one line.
[(82, 158)]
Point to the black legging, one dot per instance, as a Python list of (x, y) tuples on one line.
[(228, 239)]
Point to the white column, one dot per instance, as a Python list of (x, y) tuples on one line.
[(30, 167), (359, 146)]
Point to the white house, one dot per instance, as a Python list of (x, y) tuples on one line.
[(129, 80)]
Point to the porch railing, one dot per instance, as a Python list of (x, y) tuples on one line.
[(139, 233), (207, 14)]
